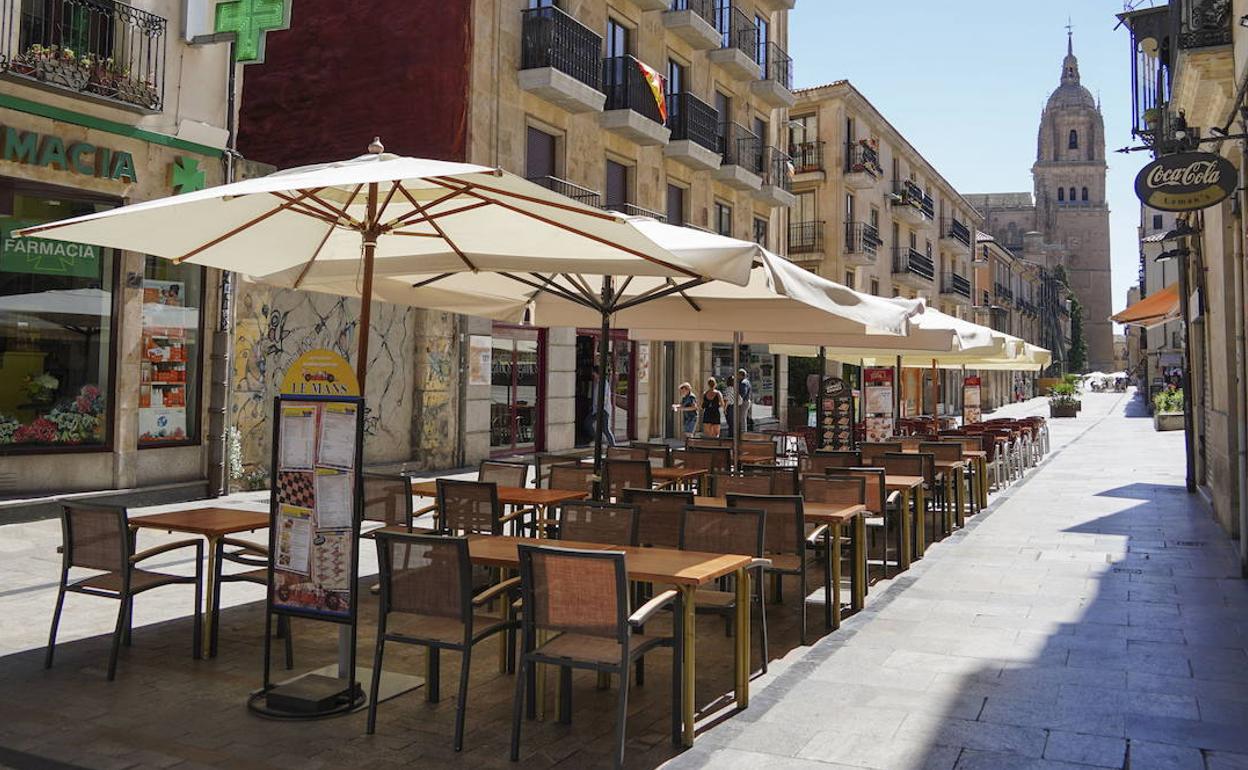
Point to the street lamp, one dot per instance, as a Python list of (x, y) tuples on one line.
[(1176, 239)]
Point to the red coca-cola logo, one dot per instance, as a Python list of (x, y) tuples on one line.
[(1186, 182)]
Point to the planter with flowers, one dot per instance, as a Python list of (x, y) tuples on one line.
[(1062, 401), (1168, 410)]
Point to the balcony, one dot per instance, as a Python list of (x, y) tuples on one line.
[(775, 87), (1202, 23), (567, 189), (631, 109), (1003, 293), (928, 207), (807, 159), (560, 60), (632, 210), (694, 22), (695, 132), (908, 202), (738, 43), (777, 189), (956, 287), (954, 230), (806, 238), (862, 243), (862, 166), (653, 5), (912, 268), (106, 52), (742, 158)]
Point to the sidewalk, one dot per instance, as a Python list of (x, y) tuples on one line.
[(1092, 617)]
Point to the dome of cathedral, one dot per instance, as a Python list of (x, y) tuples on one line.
[(1070, 93)]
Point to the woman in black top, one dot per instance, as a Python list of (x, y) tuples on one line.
[(712, 407)]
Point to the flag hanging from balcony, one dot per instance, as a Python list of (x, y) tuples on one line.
[(657, 87)]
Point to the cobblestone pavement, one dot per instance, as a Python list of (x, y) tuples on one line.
[(1091, 618)]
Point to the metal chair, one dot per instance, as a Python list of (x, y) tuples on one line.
[(255, 556), (723, 484), (914, 464), (838, 490), (659, 514), (544, 461), (822, 461), (728, 530), (594, 522), (758, 451), (388, 500), (504, 473), (98, 537), (571, 476), (628, 453), (619, 475), (783, 477), (427, 599), (882, 507), (581, 598), (872, 451), (470, 508)]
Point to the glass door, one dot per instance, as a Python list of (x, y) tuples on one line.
[(516, 390)]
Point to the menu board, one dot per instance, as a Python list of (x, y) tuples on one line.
[(163, 361), (970, 401), (878, 409), (836, 414), (315, 505)]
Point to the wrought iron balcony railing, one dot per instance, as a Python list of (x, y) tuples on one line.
[(928, 206), (913, 261), (862, 238), (807, 157), (777, 169), (911, 194), (863, 157), (570, 190), (1002, 291), (103, 48), (691, 118), (633, 210), (551, 38), (740, 147), (956, 230), (776, 64), (806, 238), (703, 8), (952, 283), (736, 29), (627, 88)]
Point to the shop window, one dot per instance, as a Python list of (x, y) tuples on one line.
[(56, 327), (760, 367), (516, 379), (169, 381)]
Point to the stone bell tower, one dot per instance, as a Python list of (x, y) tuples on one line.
[(1071, 209)]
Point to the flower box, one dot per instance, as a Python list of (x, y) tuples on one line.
[(1168, 421)]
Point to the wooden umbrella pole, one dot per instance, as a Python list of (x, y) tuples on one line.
[(366, 291), (737, 402)]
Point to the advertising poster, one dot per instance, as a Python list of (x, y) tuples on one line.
[(479, 352), (878, 403), (836, 415), (970, 401), (162, 368)]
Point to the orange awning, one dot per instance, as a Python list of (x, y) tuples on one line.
[(1153, 310)]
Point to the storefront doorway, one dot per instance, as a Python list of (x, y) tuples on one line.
[(621, 387), (517, 389)]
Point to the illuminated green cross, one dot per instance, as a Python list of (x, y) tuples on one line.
[(185, 175), (249, 20)]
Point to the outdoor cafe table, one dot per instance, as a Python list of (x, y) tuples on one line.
[(685, 570), (677, 475), (834, 516), (212, 524), (905, 486), (522, 497)]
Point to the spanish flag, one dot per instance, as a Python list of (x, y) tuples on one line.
[(657, 86)]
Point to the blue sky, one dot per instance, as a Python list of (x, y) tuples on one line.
[(965, 82)]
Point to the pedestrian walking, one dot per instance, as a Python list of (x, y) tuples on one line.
[(599, 417), (745, 399), (712, 409), (730, 405), (687, 409)]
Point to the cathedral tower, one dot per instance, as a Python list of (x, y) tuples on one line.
[(1071, 209)]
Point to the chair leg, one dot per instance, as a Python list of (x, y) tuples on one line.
[(215, 609), (678, 679), (461, 707), (118, 632), (375, 685), (762, 618), (125, 636), (621, 719), (517, 708), (565, 695), (197, 643), (56, 622), (802, 604), (434, 680)]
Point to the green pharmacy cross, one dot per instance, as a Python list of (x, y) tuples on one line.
[(249, 20), (186, 175)]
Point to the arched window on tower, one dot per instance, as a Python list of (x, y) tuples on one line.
[(1073, 142), (1061, 194), (1083, 194), (1072, 195)]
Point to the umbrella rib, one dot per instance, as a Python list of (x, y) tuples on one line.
[(342, 212), (393, 189), (561, 226), (554, 288), (557, 291), (414, 235), (402, 219), (438, 229), (308, 265), (580, 284), (253, 222), (427, 281), (306, 208), (530, 199), (660, 293)]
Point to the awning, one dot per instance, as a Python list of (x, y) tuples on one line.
[(1153, 310)]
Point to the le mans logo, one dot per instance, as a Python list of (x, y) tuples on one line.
[(1186, 182)]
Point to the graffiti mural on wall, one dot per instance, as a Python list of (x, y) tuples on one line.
[(273, 327)]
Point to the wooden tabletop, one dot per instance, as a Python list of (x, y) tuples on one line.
[(208, 522), (676, 474), (512, 495), (655, 565), (819, 513), (899, 483)]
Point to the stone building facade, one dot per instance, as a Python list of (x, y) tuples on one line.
[(1069, 207)]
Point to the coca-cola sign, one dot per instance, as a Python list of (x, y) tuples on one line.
[(1186, 182)]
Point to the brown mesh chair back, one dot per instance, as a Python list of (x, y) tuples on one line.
[(785, 531), (628, 453), (574, 591), (619, 475), (660, 455), (388, 499), (722, 530), (911, 464), (723, 484), (96, 537), (696, 459), (758, 451), (572, 476), (544, 461), (872, 451), (840, 490), (821, 462), (594, 522), (708, 443), (469, 508), (971, 443), (425, 575), (876, 489), (943, 451), (504, 474), (783, 477), (659, 514)]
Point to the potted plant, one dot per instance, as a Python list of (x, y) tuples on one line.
[(1168, 409), (1062, 401)]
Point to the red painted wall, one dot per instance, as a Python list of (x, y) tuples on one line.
[(348, 71)]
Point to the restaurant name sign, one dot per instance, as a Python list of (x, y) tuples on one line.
[(50, 151), (1188, 181)]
